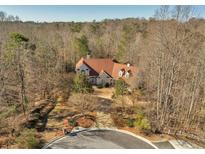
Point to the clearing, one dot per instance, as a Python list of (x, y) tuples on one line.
[(103, 92)]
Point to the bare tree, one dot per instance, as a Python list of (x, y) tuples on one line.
[(2, 16), (177, 68)]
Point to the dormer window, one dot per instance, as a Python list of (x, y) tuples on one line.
[(120, 74), (127, 75)]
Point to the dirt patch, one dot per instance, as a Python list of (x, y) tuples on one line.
[(48, 136), (5, 142), (150, 137), (103, 92), (85, 123), (104, 120)]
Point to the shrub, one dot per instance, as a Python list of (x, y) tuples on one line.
[(120, 87), (130, 122), (18, 38), (142, 122), (118, 120), (145, 124), (81, 84), (72, 122), (107, 85), (28, 139)]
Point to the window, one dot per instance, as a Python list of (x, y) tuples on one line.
[(120, 73), (127, 74), (83, 71)]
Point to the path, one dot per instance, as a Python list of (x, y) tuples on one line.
[(103, 92)]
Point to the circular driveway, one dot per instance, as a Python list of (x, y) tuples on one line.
[(100, 139)]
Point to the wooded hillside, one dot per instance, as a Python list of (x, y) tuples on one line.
[(169, 51)]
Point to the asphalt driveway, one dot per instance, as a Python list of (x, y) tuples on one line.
[(100, 139)]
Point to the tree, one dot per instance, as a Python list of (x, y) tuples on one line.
[(15, 59), (81, 45), (123, 51), (76, 27), (123, 46), (2, 16), (47, 73), (17, 18), (10, 18), (81, 84), (177, 69), (120, 87)]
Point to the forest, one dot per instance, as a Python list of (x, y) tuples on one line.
[(38, 59)]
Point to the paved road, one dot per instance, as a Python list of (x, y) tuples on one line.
[(164, 145), (100, 139)]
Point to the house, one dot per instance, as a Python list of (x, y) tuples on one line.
[(104, 71)]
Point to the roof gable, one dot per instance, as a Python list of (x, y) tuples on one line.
[(117, 67)]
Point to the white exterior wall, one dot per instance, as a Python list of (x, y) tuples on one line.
[(83, 68), (127, 75), (103, 79)]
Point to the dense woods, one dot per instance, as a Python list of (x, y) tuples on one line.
[(168, 50)]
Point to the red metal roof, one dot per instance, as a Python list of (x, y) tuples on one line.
[(107, 65)]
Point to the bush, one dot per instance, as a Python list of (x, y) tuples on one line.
[(131, 122), (72, 122), (107, 85), (120, 87), (118, 120), (28, 139), (18, 38), (145, 124), (81, 84), (142, 122)]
